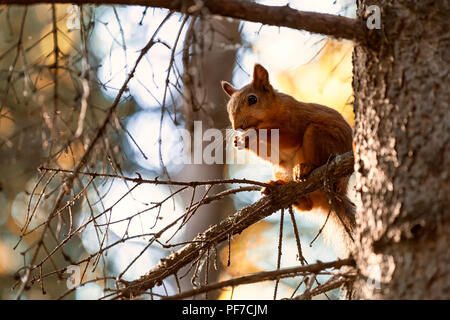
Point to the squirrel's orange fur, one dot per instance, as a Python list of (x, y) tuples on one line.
[(308, 135)]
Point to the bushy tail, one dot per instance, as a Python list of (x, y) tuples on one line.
[(338, 227), (345, 214)]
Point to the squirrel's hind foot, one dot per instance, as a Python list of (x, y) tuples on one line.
[(266, 190), (303, 204)]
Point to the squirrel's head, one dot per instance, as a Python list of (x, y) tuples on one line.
[(251, 107)]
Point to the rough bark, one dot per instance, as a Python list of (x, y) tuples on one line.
[(402, 153)]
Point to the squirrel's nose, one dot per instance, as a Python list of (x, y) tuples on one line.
[(238, 126)]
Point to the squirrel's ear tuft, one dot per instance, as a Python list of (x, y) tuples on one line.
[(228, 88), (261, 77)]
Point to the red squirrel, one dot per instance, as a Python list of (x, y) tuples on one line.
[(309, 134)]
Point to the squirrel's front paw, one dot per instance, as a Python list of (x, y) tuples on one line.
[(301, 171), (266, 190), (241, 142)]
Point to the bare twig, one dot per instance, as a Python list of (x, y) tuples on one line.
[(280, 252), (333, 283), (297, 237), (83, 160), (157, 181), (265, 276)]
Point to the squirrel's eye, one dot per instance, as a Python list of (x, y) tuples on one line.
[(252, 99)]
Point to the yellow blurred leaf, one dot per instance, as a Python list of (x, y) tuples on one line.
[(248, 239), (66, 39), (69, 157), (9, 259), (6, 123), (327, 80)]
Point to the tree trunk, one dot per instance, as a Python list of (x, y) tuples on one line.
[(209, 67), (402, 153)]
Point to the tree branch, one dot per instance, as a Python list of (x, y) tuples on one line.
[(283, 16), (280, 197), (264, 276), (333, 283)]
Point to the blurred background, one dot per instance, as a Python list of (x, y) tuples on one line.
[(61, 69)]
